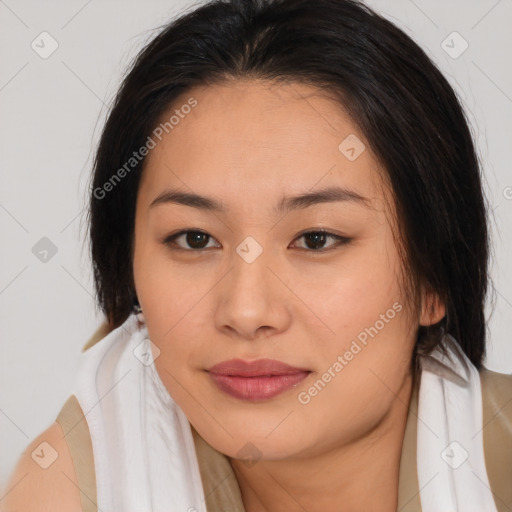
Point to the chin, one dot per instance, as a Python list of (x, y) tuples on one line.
[(256, 441)]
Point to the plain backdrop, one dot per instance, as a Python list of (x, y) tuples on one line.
[(52, 110)]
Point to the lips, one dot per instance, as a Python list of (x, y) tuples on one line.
[(256, 380)]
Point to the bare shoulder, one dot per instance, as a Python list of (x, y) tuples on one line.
[(44, 478)]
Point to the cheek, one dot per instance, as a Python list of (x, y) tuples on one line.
[(170, 312), (166, 293), (353, 295), (370, 326)]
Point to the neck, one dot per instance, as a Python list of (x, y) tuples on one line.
[(362, 475)]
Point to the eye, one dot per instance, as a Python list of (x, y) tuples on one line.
[(315, 240), (195, 240)]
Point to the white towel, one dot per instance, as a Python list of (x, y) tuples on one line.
[(144, 454), (450, 448)]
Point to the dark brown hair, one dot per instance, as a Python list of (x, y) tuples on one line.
[(401, 102)]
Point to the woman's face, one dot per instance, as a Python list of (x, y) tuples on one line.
[(253, 286)]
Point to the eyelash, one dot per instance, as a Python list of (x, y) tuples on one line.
[(169, 241)]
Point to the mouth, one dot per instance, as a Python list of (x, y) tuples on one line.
[(256, 380)]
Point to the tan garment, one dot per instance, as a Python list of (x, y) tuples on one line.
[(220, 485)]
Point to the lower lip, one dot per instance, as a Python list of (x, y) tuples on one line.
[(257, 388)]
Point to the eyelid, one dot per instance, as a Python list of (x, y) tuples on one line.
[(341, 240), (168, 240)]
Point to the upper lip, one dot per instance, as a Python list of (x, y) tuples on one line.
[(260, 367)]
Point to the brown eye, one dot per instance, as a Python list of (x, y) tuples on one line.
[(316, 240), (190, 240), (197, 240)]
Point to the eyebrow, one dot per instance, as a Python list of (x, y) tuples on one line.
[(285, 204)]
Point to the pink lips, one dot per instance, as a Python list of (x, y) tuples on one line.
[(255, 380)]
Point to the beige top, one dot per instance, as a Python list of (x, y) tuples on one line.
[(220, 485)]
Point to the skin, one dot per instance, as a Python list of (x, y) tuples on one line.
[(247, 144)]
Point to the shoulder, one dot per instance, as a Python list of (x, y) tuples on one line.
[(102, 330), (497, 433), (496, 388), (497, 399), (44, 478)]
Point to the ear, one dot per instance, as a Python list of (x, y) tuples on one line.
[(433, 308)]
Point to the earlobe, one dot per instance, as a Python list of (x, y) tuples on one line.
[(433, 309)]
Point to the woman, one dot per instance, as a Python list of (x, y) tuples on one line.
[(290, 244)]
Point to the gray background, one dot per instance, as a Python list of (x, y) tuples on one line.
[(52, 111)]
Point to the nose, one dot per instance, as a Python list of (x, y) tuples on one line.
[(252, 301)]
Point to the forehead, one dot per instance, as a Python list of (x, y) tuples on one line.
[(261, 137)]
